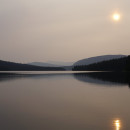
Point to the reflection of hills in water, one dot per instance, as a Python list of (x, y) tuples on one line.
[(106, 78), (14, 76)]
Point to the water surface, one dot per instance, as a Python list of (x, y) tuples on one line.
[(64, 101)]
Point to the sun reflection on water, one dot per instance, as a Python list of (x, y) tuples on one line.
[(117, 124)]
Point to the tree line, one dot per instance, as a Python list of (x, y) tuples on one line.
[(11, 66), (120, 64)]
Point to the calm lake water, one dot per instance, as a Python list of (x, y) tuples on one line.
[(64, 101)]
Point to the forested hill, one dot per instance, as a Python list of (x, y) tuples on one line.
[(11, 66), (120, 64), (95, 59)]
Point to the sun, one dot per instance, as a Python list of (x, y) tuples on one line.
[(116, 16)]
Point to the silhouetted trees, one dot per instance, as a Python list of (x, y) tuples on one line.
[(128, 63), (10, 66), (120, 64)]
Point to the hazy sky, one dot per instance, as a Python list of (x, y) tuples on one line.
[(62, 30)]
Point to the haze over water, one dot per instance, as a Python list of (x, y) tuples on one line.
[(61, 101)]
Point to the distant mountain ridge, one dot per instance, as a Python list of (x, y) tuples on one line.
[(92, 60), (51, 64), (61, 63), (42, 64), (69, 65)]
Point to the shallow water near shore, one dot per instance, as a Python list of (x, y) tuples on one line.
[(64, 101)]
